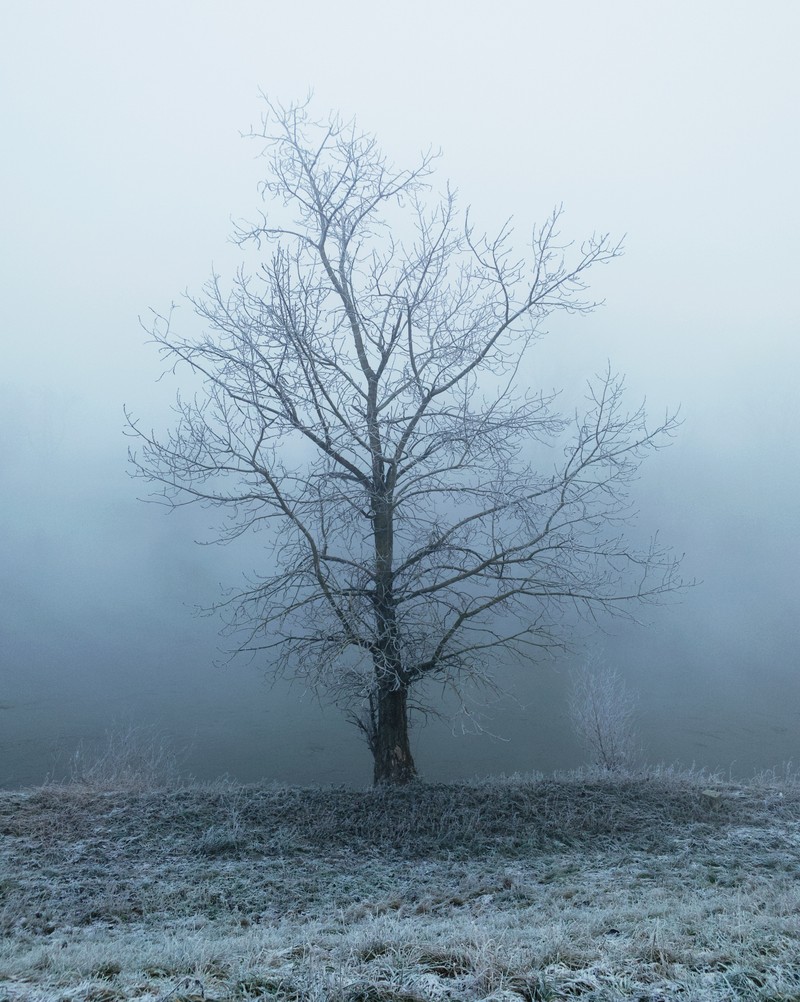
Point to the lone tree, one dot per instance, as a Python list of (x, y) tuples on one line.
[(360, 395)]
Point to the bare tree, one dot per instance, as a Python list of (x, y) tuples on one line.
[(360, 394), (602, 710)]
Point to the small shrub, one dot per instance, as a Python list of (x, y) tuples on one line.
[(601, 710)]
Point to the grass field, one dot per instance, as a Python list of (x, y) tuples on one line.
[(641, 887)]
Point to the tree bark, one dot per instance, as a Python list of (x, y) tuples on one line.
[(392, 751)]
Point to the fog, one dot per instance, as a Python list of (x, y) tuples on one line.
[(123, 165)]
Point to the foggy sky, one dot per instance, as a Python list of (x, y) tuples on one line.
[(122, 168)]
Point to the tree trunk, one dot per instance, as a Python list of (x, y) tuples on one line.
[(394, 763)]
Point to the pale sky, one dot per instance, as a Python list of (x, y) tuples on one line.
[(674, 124)]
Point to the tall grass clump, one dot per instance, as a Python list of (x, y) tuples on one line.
[(128, 758)]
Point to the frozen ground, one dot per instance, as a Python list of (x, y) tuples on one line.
[(642, 888)]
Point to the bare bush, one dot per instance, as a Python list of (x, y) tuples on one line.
[(128, 758), (602, 710)]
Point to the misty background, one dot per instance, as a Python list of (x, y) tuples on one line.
[(122, 169)]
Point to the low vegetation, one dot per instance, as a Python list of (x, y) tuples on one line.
[(654, 886)]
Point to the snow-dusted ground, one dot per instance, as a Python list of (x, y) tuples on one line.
[(641, 887)]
